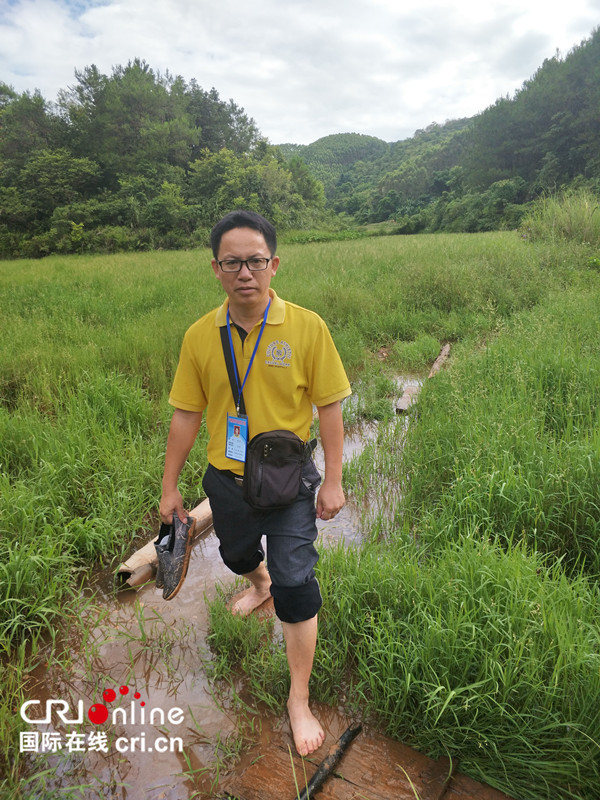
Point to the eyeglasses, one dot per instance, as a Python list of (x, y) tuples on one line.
[(235, 264)]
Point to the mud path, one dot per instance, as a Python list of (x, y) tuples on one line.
[(149, 725), (139, 676)]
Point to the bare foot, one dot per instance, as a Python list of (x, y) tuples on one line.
[(251, 599), (306, 729)]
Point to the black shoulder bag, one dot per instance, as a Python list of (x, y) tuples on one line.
[(274, 459)]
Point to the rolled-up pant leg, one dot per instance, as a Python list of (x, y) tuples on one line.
[(236, 525), (290, 533)]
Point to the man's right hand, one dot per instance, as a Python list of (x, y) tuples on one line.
[(182, 434), (171, 503)]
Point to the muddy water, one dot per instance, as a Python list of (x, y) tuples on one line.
[(142, 665)]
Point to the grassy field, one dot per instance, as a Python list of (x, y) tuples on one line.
[(467, 623)]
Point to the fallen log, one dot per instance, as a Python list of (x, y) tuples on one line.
[(330, 762), (141, 566), (407, 399), (412, 392), (439, 362)]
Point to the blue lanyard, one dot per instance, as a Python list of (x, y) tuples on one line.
[(237, 380)]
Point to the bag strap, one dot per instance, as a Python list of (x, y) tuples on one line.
[(231, 369), (232, 372), (308, 449)]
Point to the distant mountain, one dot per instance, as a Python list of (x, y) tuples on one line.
[(544, 138), (138, 160), (328, 157)]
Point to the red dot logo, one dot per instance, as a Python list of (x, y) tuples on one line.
[(98, 713), (137, 695), (108, 695), (124, 689)]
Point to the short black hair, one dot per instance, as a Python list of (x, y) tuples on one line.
[(243, 219)]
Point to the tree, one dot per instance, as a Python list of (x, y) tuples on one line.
[(311, 190), (54, 177), (167, 211), (26, 126)]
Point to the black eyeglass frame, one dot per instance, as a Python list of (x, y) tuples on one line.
[(246, 261)]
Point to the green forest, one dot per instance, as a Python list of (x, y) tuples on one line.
[(138, 160)]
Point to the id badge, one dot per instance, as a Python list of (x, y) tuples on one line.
[(237, 437)]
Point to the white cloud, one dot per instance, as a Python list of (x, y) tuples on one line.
[(309, 68)]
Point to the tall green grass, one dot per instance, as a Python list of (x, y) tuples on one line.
[(509, 437), (489, 657), (571, 216), (486, 656), (395, 290), (127, 313), (88, 348)]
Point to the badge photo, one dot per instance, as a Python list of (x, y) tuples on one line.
[(237, 437)]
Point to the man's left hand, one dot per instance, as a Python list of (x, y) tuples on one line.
[(330, 500)]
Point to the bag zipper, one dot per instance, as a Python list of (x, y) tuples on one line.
[(265, 454)]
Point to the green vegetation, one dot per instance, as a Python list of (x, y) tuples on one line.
[(487, 656), (136, 161), (574, 215), (330, 156), (467, 622), (475, 174), (142, 161), (518, 455)]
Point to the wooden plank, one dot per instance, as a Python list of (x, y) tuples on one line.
[(271, 777), (462, 787), (440, 360), (332, 759), (408, 398), (411, 393), (394, 775)]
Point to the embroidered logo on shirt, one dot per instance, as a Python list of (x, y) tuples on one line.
[(279, 354)]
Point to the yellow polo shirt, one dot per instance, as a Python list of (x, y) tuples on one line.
[(296, 366)]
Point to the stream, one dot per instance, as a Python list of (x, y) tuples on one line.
[(140, 718)]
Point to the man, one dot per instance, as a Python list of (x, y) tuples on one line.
[(286, 362)]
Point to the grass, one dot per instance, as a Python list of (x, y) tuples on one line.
[(485, 656), (65, 317), (477, 654), (496, 476), (519, 451), (573, 215)]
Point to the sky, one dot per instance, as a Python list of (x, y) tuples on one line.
[(304, 69)]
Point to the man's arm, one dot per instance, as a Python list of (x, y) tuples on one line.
[(331, 496), (182, 435)]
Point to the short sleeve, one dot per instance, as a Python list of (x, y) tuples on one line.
[(187, 392), (328, 380)]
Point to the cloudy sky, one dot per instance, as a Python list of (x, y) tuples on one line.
[(303, 69)]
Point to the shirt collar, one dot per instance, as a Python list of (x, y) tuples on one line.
[(276, 311)]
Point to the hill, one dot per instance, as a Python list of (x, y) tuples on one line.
[(477, 173), (137, 160), (330, 156)]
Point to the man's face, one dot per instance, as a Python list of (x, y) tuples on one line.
[(245, 289)]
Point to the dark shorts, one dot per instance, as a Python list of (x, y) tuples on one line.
[(290, 534)]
